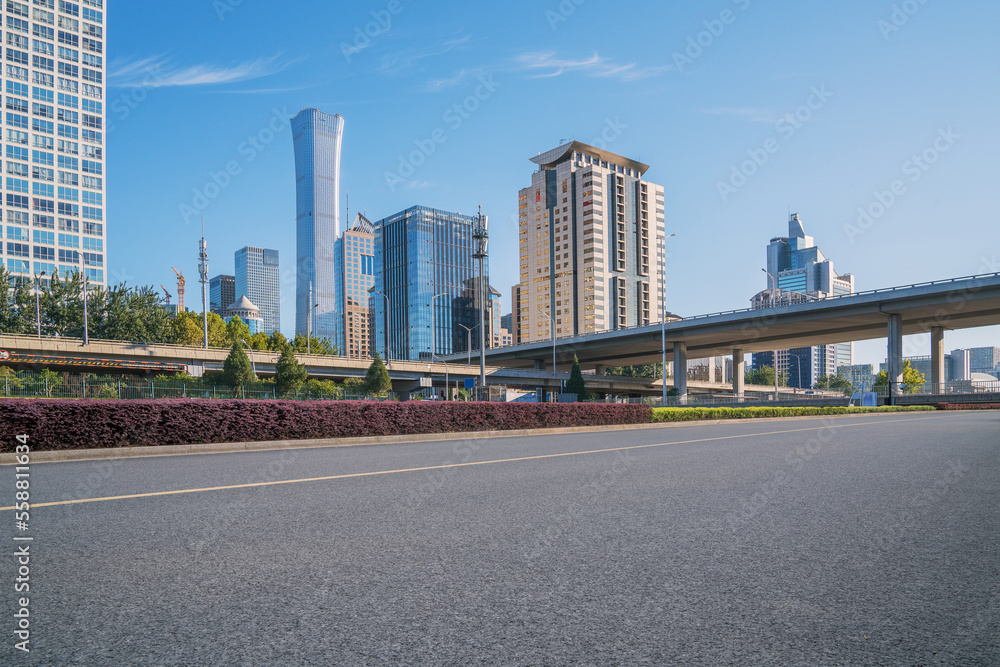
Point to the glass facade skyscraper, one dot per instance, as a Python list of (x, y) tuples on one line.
[(317, 139), (221, 294), (798, 271), (420, 253), (258, 277), (53, 139)]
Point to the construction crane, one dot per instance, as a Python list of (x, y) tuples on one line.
[(167, 293), (180, 290)]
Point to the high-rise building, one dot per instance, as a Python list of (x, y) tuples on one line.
[(259, 279), (221, 293), (317, 139), (591, 237), (424, 265), (53, 140), (355, 258), (798, 271)]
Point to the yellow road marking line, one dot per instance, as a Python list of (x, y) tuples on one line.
[(451, 465)]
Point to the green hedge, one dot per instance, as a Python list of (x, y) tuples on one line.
[(699, 414)]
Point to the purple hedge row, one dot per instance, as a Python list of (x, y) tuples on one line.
[(63, 424), (968, 406)]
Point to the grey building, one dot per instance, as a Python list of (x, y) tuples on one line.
[(317, 139), (221, 293), (258, 278)]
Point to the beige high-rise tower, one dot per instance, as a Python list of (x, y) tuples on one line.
[(591, 244)]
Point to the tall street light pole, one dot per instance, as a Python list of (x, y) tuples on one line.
[(38, 306), (447, 389), (309, 318), (663, 317), (253, 364), (468, 347), (775, 294)]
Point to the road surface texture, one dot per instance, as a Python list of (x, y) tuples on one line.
[(870, 540)]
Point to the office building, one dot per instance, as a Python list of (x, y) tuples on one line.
[(355, 264), (221, 291), (317, 140), (591, 237), (797, 272), (985, 360), (259, 279), (424, 266), (859, 375), (248, 312), (53, 140)]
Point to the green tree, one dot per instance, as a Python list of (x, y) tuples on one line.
[(9, 379), (764, 377), (261, 341), (237, 330), (835, 382), (289, 374), (237, 369), (276, 342), (643, 371), (49, 381), (377, 380), (575, 384), (913, 379), (314, 345), (187, 329)]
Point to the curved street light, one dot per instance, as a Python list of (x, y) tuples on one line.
[(253, 364)]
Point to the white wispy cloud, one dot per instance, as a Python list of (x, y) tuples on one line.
[(547, 64), (159, 72), (418, 185), (400, 61), (752, 114)]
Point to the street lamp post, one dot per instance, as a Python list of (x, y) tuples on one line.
[(447, 389), (38, 306), (774, 297), (253, 364), (312, 309), (468, 348), (663, 317), (371, 290)]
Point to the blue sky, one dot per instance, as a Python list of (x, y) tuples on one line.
[(744, 109)]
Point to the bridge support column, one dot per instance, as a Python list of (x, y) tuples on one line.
[(599, 369), (895, 356), (937, 358), (680, 370), (739, 373), (711, 370), (539, 365)]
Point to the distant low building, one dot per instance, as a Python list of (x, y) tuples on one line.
[(248, 312)]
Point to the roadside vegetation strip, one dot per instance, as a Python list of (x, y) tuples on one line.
[(968, 406), (699, 414), (55, 425)]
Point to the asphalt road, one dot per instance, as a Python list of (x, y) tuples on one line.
[(850, 541)]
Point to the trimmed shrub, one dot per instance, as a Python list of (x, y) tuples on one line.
[(968, 406), (91, 424), (700, 414)]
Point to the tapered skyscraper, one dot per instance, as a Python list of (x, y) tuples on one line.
[(317, 137)]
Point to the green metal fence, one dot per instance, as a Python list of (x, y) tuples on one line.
[(30, 384)]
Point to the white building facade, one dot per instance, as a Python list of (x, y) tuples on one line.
[(53, 140), (590, 239)]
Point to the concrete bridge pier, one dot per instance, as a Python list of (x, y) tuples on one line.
[(680, 370), (937, 357), (895, 356), (739, 373)]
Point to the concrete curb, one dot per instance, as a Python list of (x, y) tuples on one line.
[(236, 447)]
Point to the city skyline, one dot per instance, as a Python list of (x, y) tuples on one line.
[(829, 132)]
